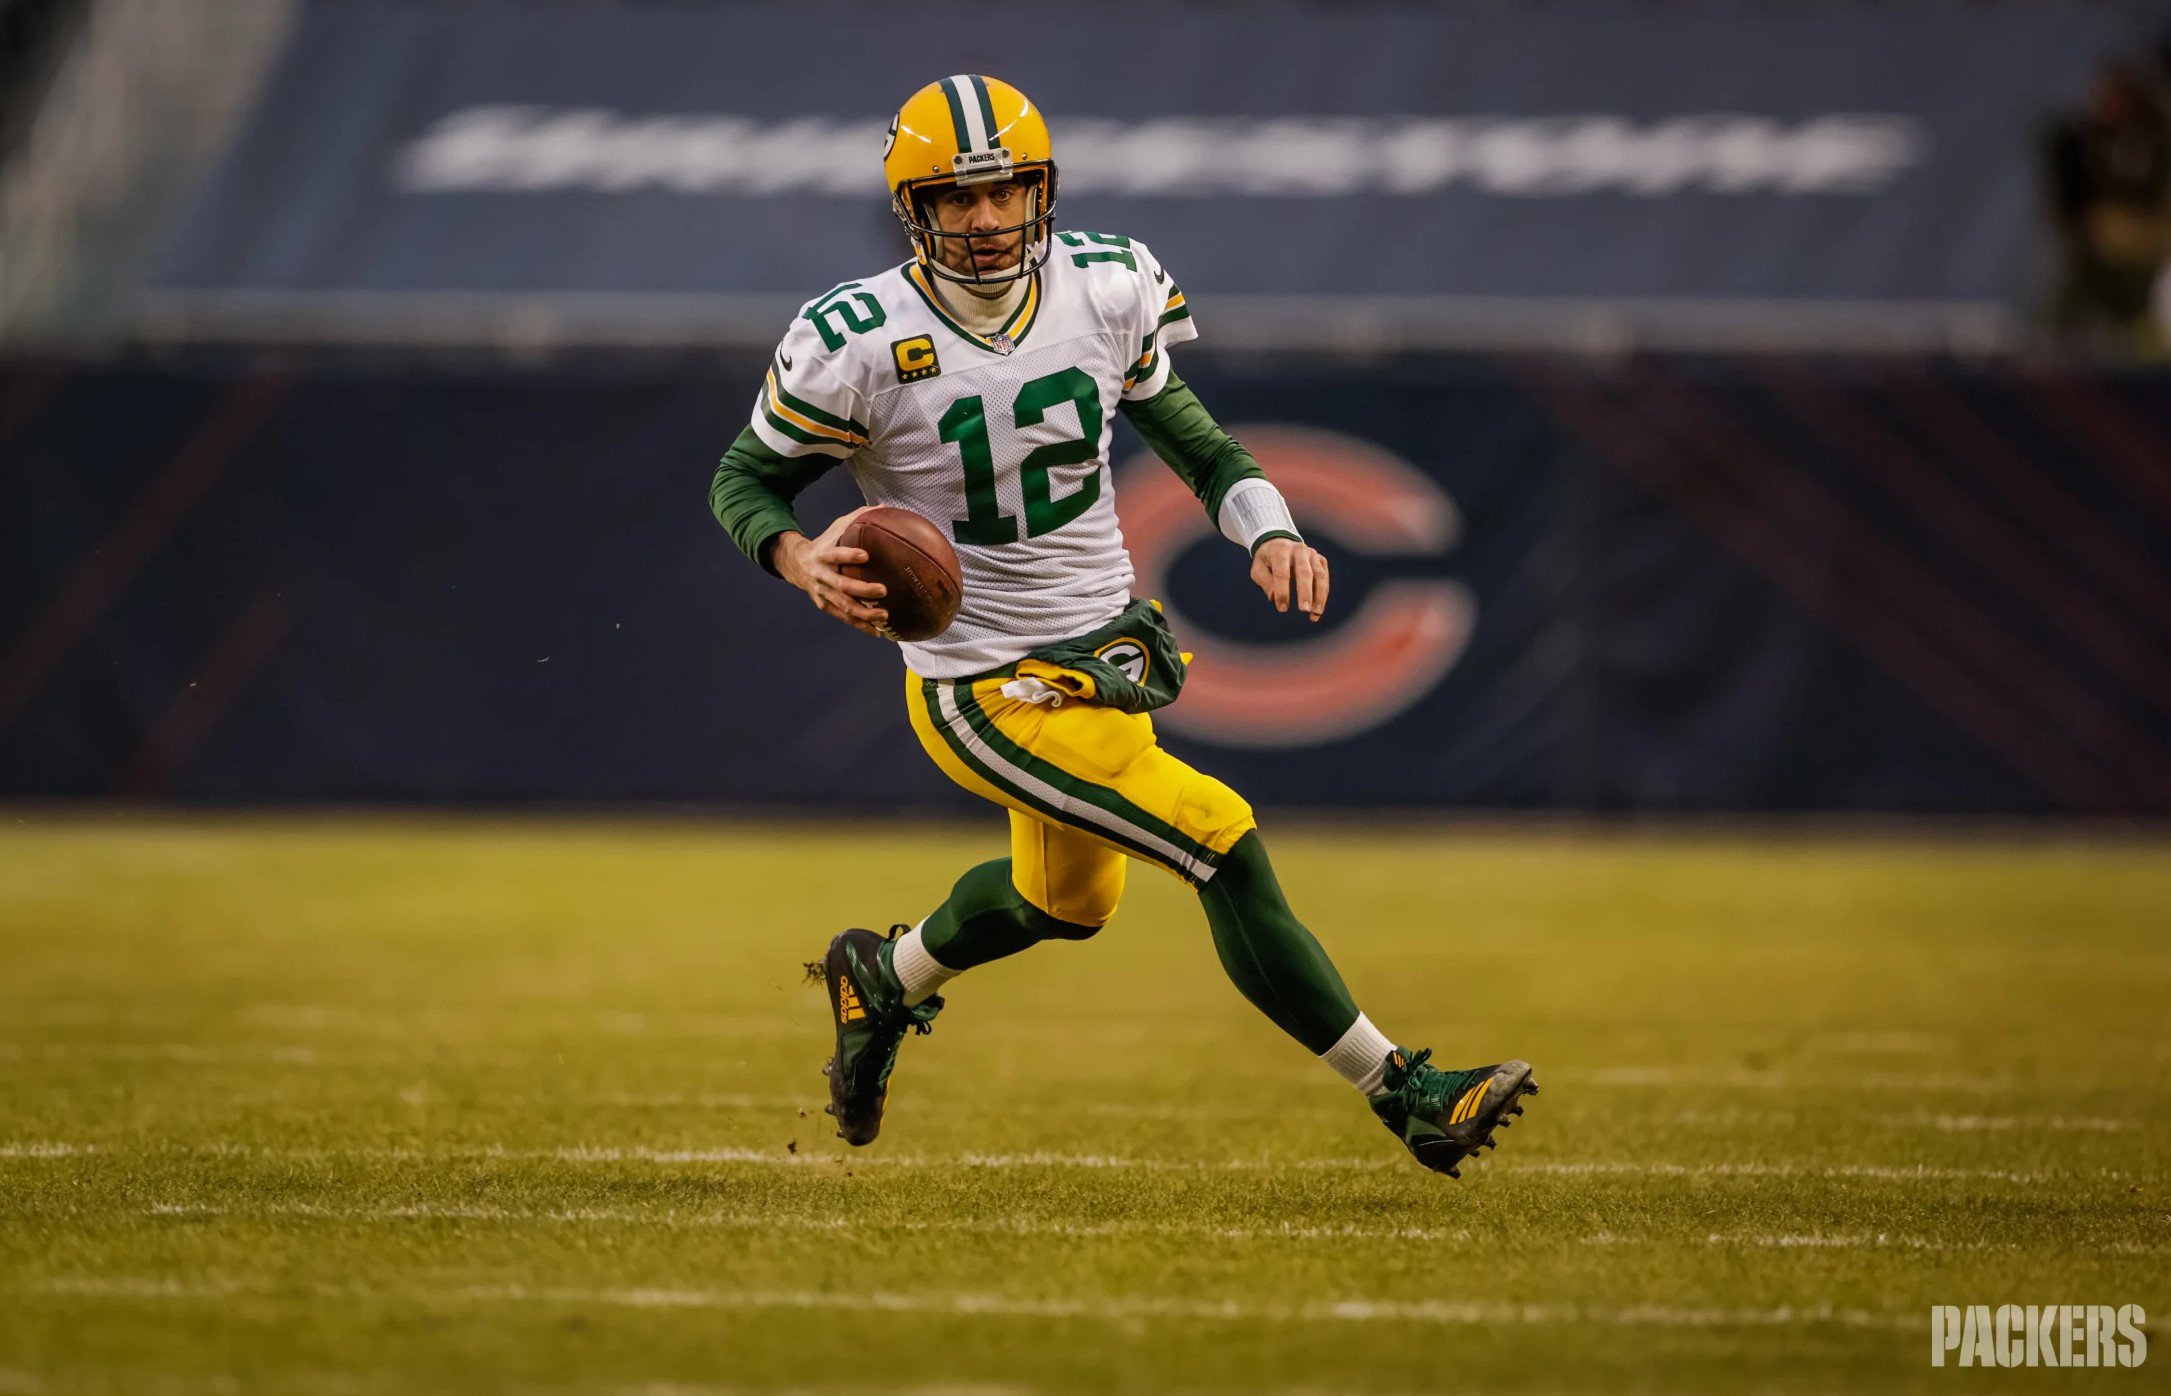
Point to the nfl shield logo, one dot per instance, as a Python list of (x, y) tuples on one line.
[(1001, 343)]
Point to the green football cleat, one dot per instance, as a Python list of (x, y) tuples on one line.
[(867, 1002), (1443, 1117)]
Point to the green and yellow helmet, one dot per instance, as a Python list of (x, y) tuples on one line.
[(967, 130)]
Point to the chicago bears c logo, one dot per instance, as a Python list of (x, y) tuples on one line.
[(1336, 682)]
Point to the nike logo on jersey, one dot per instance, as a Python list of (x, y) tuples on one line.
[(785, 360)]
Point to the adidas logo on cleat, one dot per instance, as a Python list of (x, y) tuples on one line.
[(849, 1008), (1446, 1118), (1471, 1100)]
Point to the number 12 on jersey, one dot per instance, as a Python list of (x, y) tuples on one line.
[(965, 424)]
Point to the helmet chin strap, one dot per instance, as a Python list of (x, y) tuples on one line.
[(969, 298)]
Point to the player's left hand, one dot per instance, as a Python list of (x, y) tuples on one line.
[(1287, 570)]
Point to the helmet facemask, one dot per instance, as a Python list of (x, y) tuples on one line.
[(914, 204)]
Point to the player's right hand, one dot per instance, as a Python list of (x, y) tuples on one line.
[(815, 566)]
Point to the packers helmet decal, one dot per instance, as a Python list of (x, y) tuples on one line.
[(964, 131)]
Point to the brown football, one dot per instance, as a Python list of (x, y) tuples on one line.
[(910, 556)]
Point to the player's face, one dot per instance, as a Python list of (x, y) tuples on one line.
[(979, 210)]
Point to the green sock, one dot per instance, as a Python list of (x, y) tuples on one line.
[(1274, 961)]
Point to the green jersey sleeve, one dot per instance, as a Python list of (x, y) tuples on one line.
[(752, 491), (1184, 434), (807, 417)]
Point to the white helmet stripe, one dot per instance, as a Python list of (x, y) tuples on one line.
[(967, 102)]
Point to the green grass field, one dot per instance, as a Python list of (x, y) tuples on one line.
[(344, 1107)]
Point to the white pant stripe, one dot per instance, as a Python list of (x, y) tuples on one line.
[(1082, 811)]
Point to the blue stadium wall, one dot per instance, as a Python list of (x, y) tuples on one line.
[(1658, 585)]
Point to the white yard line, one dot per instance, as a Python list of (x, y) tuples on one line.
[(442, 1057), (1904, 1172), (1963, 1124), (1888, 1041), (594, 1154), (706, 1100), (762, 1221), (1908, 1172), (674, 1388), (1880, 1241), (1443, 1313), (1818, 1241), (189, 1053), (1951, 1124), (1322, 1105), (1023, 1226), (1813, 1241), (1739, 1078), (682, 1388), (1437, 1312), (140, 1287)]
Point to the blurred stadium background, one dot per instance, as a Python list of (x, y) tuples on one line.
[(1713, 410), (1734, 430)]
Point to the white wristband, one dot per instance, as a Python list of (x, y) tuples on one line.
[(1252, 509)]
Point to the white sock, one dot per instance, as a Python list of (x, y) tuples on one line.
[(1359, 1056), (920, 972)]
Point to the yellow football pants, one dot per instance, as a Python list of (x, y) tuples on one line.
[(1086, 786)]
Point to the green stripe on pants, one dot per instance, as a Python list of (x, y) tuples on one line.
[(1182, 850)]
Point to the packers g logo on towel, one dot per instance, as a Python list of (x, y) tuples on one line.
[(1371, 666), (915, 358), (1126, 657)]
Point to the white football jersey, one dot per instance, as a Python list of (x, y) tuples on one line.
[(1000, 440)]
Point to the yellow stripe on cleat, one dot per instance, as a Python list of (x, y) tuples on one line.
[(1468, 1105)]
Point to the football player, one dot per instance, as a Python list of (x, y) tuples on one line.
[(976, 385)]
